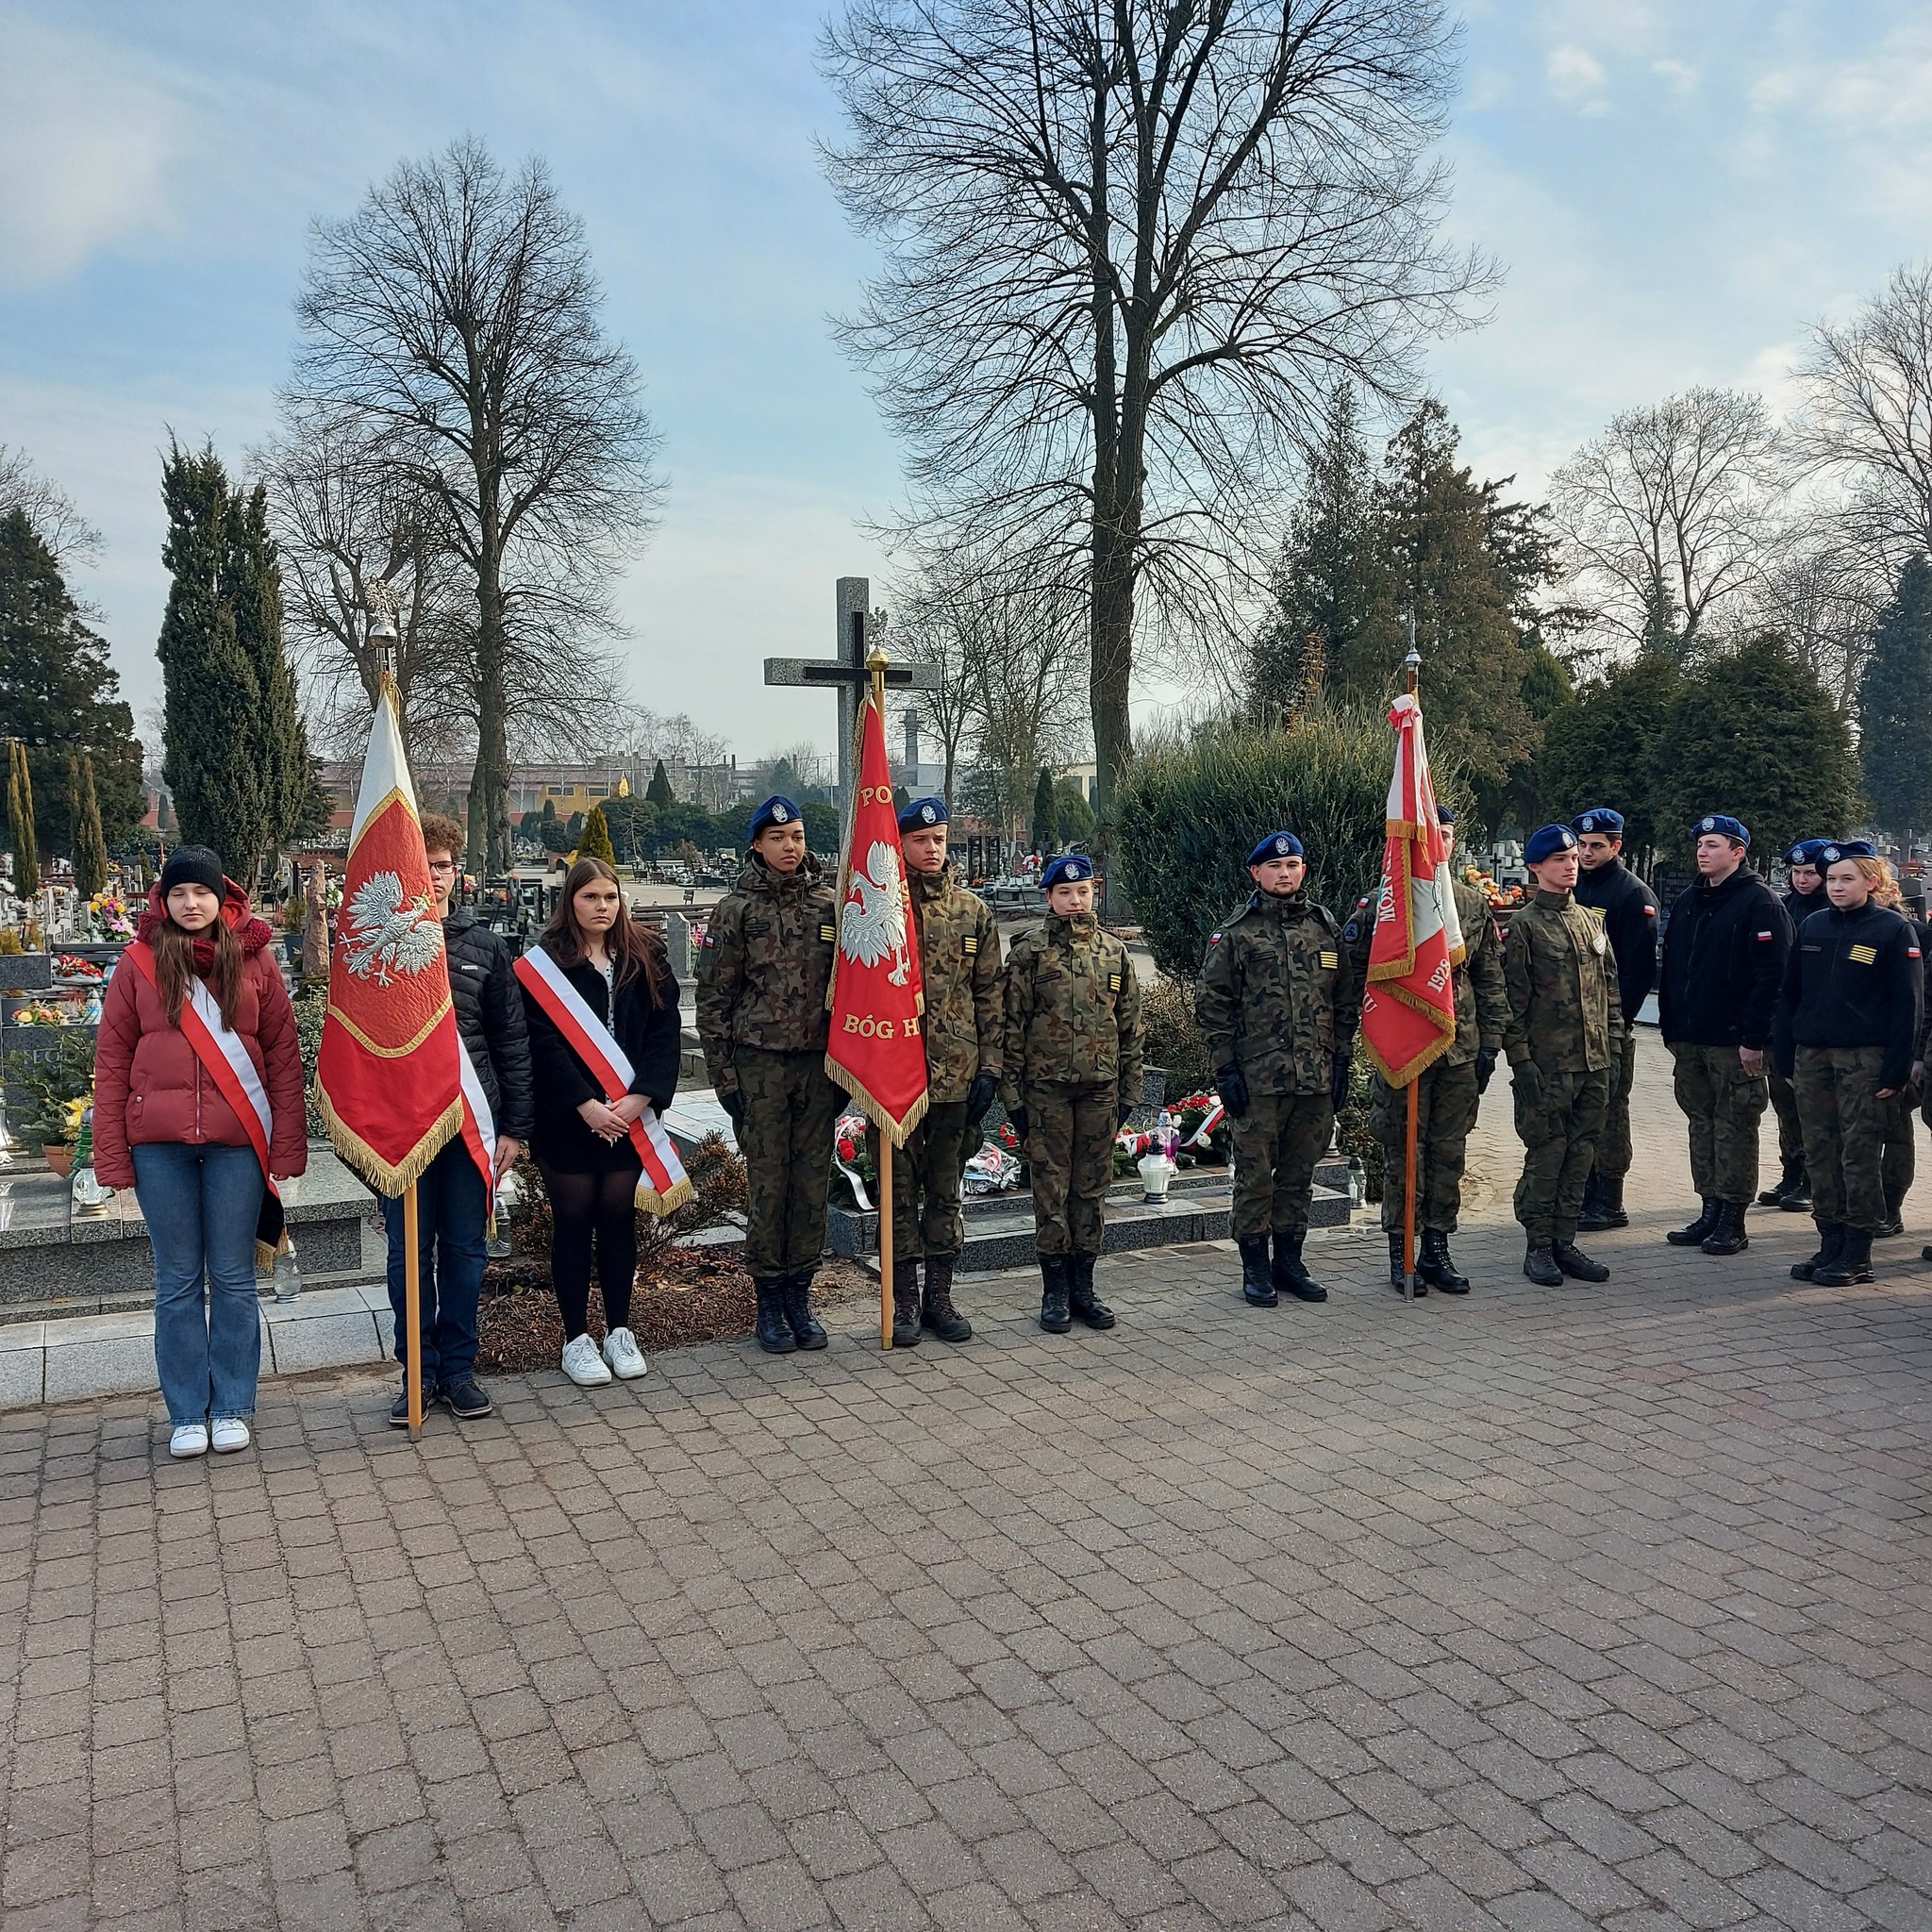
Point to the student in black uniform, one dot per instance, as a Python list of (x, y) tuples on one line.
[(1845, 1032), (1899, 1163), (1804, 897), (1630, 910)]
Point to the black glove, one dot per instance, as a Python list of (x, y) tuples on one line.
[(1232, 1085), (1121, 1113), (733, 1104), (1485, 1066), (980, 1097), (1017, 1116), (1338, 1080), (1529, 1082)]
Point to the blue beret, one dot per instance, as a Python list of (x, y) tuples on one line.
[(1546, 841), (1805, 851), (1444, 816), (1069, 869), (1275, 845), (776, 810), (1846, 848), (1726, 828), (922, 814), (1599, 818)]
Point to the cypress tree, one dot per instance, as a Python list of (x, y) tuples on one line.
[(1046, 820), (251, 584), (1894, 731), (20, 822), (658, 790), (89, 841), (593, 841)]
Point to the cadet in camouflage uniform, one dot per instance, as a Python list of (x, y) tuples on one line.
[(1846, 1029), (1070, 1074), (764, 967), (959, 968), (1564, 1020), (1447, 1092), (1277, 1006)]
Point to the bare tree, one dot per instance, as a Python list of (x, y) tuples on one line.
[(54, 515), (456, 314), (935, 612), (1867, 415), (1823, 590), (1664, 515), (1130, 244)]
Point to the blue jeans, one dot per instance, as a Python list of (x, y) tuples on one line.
[(451, 1209), (201, 1204)]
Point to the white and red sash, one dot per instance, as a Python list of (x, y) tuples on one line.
[(663, 1185), (479, 1127), (227, 1064)]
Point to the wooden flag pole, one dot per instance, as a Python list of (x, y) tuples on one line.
[(876, 663), (1411, 666), (412, 1310)]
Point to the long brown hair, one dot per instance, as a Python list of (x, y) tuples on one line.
[(173, 951), (634, 948)]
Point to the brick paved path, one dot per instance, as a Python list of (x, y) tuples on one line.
[(1542, 1609)]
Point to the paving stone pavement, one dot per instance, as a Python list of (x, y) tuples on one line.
[(1534, 1610)]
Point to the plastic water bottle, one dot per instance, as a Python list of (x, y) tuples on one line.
[(288, 1274)]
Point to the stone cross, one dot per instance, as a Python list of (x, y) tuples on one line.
[(846, 674)]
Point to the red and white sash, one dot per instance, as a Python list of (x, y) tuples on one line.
[(479, 1127), (226, 1062), (662, 1186)]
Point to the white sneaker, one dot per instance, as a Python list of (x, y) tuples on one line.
[(625, 1357), (231, 1432), (583, 1365), (190, 1439)]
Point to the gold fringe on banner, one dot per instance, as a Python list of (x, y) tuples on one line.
[(386, 1179)]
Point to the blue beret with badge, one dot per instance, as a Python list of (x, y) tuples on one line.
[(1724, 827), (1444, 816), (1275, 845), (1546, 841), (776, 810), (923, 814), (1599, 818), (1069, 869), (1805, 851), (1845, 848)]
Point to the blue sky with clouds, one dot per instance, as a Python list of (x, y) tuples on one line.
[(1673, 191)]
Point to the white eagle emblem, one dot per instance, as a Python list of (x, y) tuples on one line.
[(382, 934), (873, 923)]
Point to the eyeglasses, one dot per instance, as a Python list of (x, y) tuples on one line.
[(442, 865)]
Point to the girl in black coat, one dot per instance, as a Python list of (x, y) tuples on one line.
[(582, 1146)]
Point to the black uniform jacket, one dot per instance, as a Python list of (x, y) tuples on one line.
[(1799, 907), (1855, 979), (1723, 962), (490, 1015), (650, 1037), (1630, 910)]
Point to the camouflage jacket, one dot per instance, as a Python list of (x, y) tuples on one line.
[(1561, 979), (764, 965), (959, 967), (1482, 1001), (1072, 1011), (1278, 995)]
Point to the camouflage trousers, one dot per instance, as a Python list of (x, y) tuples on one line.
[(1613, 1143), (1844, 1132), (1558, 1136), (926, 1174), (1723, 1105), (1784, 1104), (1070, 1132), (1276, 1146), (786, 1137), (1900, 1162), (1446, 1109)]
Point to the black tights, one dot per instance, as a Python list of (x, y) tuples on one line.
[(584, 1205)]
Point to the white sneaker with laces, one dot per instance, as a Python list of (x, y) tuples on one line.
[(625, 1357), (189, 1441), (231, 1432), (583, 1365)]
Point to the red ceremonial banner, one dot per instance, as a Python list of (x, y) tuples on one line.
[(877, 1050), (388, 1074), (1408, 1007)]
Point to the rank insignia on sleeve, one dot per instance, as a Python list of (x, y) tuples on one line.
[(828, 935), (1331, 961), (1113, 982), (970, 945), (1865, 956)]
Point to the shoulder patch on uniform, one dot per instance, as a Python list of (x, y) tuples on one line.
[(1213, 939), (1331, 961), (828, 933), (1865, 956), (969, 945), (1351, 932), (1650, 912), (1764, 935), (1911, 953)]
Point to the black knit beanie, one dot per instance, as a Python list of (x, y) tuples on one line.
[(193, 865)]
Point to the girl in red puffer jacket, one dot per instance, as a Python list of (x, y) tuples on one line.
[(196, 1026)]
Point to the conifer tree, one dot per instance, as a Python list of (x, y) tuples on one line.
[(1046, 818), (593, 841), (658, 790), (252, 582), (20, 822), (1894, 723), (89, 844)]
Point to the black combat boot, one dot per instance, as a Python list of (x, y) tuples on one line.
[(1831, 1238), (1539, 1264), (1435, 1266), (1398, 1274), (1894, 1219), (1695, 1235), (805, 1330), (1607, 1211), (1081, 1302), (1575, 1264), (1592, 1184), (773, 1331), (937, 1313), (1291, 1277), (1774, 1196), (1727, 1236), (1258, 1284), (1795, 1198), (1851, 1264), (1057, 1276), (904, 1304)]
